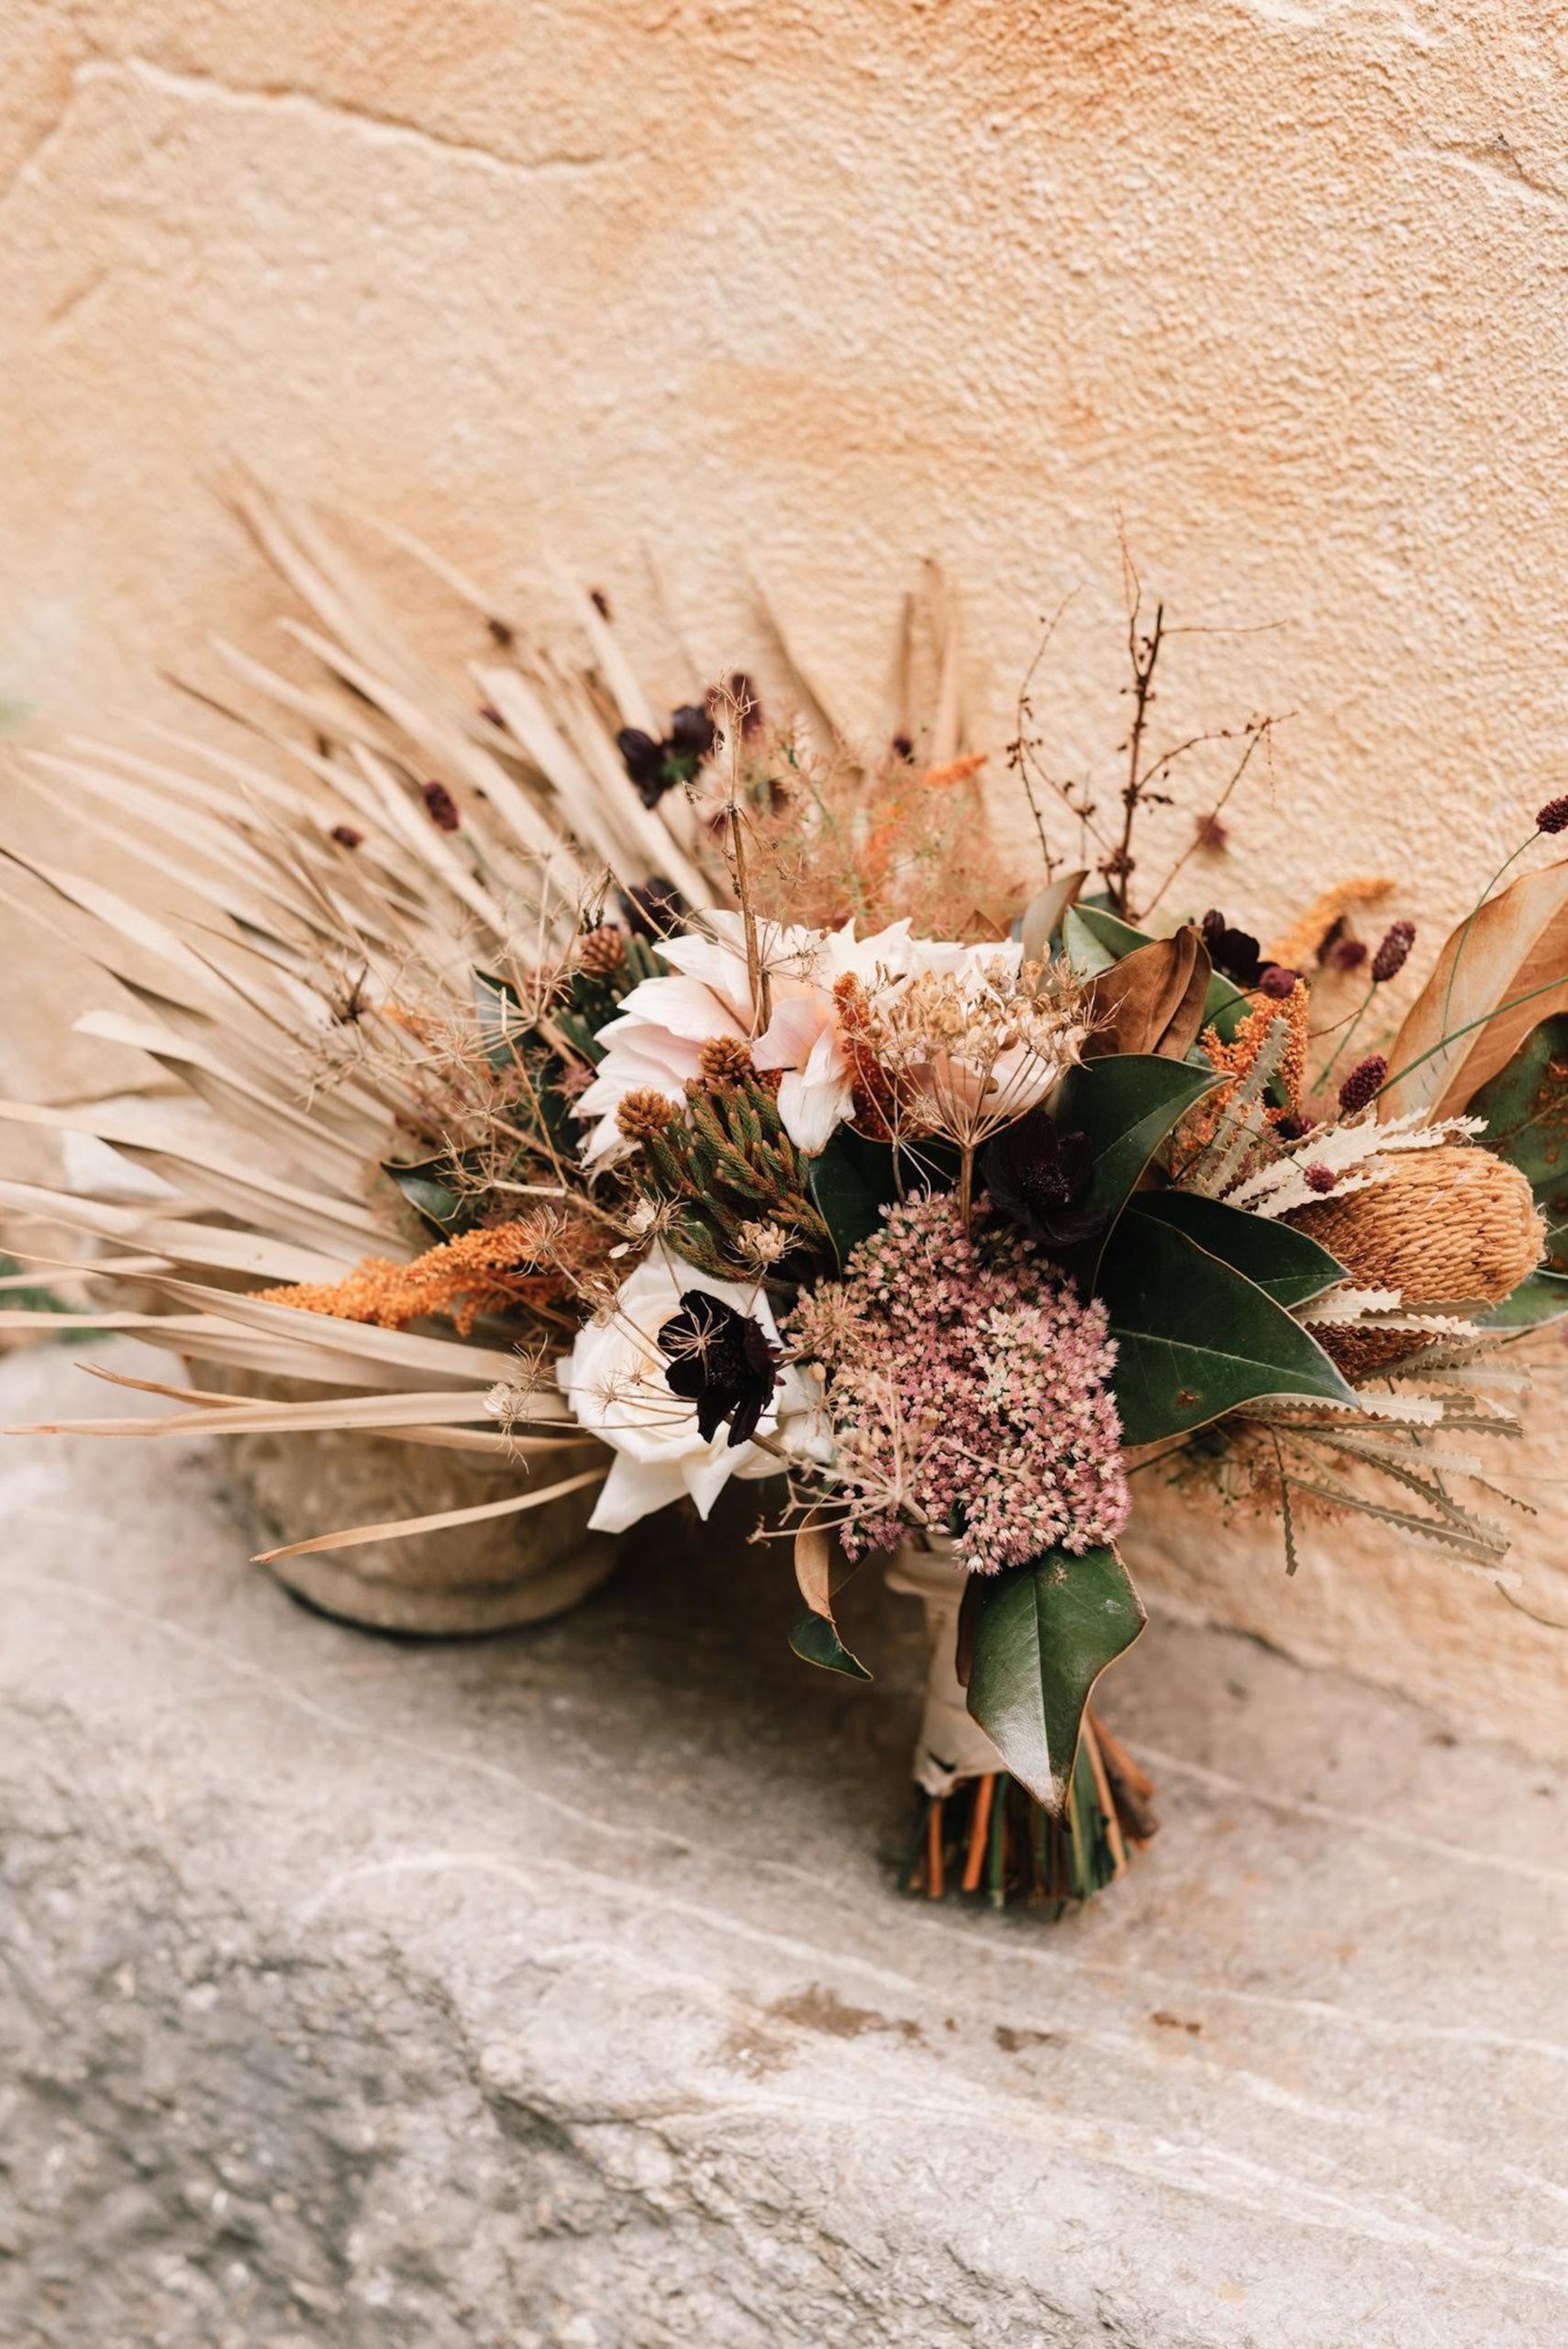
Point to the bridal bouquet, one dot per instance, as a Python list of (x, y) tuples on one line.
[(668, 1098)]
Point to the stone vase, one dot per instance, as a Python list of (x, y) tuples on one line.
[(458, 1582)]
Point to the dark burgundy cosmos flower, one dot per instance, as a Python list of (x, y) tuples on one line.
[(1234, 951), (721, 1361), (656, 767), (653, 908), (1035, 1174)]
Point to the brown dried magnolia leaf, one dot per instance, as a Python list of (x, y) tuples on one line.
[(1513, 953), (1152, 1000)]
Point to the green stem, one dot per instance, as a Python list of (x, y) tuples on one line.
[(1546, 988), (1350, 1033)]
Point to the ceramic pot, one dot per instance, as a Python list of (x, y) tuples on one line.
[(465, 1579)]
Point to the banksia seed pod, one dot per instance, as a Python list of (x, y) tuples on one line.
[(1449, 1226), (601, 950), (1391, 956), (1363, 1083)]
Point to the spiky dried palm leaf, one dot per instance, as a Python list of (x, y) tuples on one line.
[(379, 831)]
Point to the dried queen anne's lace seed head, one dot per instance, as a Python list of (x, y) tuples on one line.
[(968, 1387)]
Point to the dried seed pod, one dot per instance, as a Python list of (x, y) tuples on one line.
[(1450, 1226)]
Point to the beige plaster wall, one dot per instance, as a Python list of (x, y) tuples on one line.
[(821, 288)]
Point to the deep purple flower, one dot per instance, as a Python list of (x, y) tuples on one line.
[(643, 760), (1034, 1173), (721, 1361), (1364, 1082), (1234, 951), (1348, 953), (1554, 817)]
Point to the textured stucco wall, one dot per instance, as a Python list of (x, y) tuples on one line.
[(822, 289)]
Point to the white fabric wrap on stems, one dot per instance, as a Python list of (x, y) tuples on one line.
[(951, 1746)]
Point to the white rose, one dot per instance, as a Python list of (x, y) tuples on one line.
[(614, 1378)]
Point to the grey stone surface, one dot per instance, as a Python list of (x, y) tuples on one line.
[(552, 1990)]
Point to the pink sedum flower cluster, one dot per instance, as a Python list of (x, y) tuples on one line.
[(967, 1388)]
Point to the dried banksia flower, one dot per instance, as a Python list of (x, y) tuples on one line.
[(601, 950), (346, 836), (441, 806), (1393, 953), (1447, 1226), (509, 1266), (1554, 817), (1320, 1177), (1363, 1083), (645, 1113), (724, 1060)]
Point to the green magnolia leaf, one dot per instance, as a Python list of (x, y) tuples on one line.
[(1194, 1338), (1542, 1298), (851, 1182), (1043, 1634), (818, 1570), (1093, 939), (1526, 1109), (1283, 1262), (425, 1190), (816, 1641), (1125, 1106)]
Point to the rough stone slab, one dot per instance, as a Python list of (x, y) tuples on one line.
[(552, 1990)]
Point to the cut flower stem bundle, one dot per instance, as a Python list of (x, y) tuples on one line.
[(649, 1094)]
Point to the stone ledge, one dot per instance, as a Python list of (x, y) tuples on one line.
[(552, 1990)]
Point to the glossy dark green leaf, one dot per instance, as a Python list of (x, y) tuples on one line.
[(852, 1181), (1043, 1634), (1093, 939), (1526, 1109), (1541, 1299), (1125, 1106), (428, 1191), (816, 1641), (1283, 1262), (1196, 1339)]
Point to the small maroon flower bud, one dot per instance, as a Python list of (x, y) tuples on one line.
[(1277, 983), (442, 807), (1291, 1128), (1391, 956), (1319, 1177), (1348, 953), (1554, 817), (1364, 1082), (346, 836)]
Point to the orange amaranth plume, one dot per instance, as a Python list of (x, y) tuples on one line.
[(479, 1271)]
